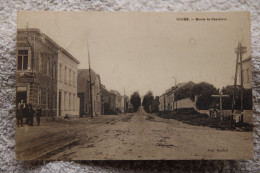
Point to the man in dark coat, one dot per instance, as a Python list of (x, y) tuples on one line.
[(30, 115), (24, 110), (38, 115), (19, 114)]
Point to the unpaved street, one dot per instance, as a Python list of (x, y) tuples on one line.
[(144, 136)]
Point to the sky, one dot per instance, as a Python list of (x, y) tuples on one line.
[(136, 51)]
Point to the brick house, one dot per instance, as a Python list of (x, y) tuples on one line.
[(36, 75)]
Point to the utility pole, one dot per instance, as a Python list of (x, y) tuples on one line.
[(235, 80), (240, 50), (239, 61), (175, 80), (90, 85)]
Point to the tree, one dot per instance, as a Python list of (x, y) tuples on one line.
[(155, 104), (147, 101), (135, 100), (204, 92), (184, 91), (247, 98)]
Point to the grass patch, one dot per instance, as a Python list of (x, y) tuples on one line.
[(192, 117)]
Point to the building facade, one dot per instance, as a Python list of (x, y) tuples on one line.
[(67, 99), (36, 75), (162, 102), (247, 72), (108, 101), (119, 101), (167, 101), (84, 92)]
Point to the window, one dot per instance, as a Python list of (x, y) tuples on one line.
[(39, 96), (73, 102), (22, 62), (74, 78), (40, 62), (69, 77), (69, 101), (47, 67), (65, 106), (54, 70), (60, 75), (65, 75)]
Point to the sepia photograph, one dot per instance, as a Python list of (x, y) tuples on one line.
[(133, 86)]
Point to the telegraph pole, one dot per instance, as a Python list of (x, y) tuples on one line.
[(90, 85), (235, 79), (240, 50)]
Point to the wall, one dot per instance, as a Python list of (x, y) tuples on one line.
[(42, 83), (67, 85), (184, 103)]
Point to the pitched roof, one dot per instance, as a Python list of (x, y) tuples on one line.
[(38, 32)]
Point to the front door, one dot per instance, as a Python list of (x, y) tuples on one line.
[(21, 96)]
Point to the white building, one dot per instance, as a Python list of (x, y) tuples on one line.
[(68, 101), (247, 73)]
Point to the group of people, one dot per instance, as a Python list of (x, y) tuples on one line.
[(26, 111)]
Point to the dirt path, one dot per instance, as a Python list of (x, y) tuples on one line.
[(148, 137), (41, 142)]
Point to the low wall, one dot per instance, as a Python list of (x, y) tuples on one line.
[(184, 103), (248, 115), (247, 118)]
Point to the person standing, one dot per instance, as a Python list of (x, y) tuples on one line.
[(19, 115), (30, 115), (24, 110), (38, 115)]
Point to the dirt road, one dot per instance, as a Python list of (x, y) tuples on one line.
[(145, 136)]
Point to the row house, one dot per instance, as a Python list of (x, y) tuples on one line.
[(108, 101), (167, 100), (83, 92), (68, 101), (37, 75), (119, 101)]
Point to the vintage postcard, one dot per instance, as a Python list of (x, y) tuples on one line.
[(133, 86)]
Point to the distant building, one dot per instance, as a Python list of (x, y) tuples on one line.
[(36, 75), (84, 92), (162, 106), (68, 101), (167, 100), (119, 101), (108, 101), (112, 102)]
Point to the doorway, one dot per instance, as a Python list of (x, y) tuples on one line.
[(59, 103), (21, 96)]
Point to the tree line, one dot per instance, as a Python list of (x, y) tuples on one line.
[(202, 92)]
